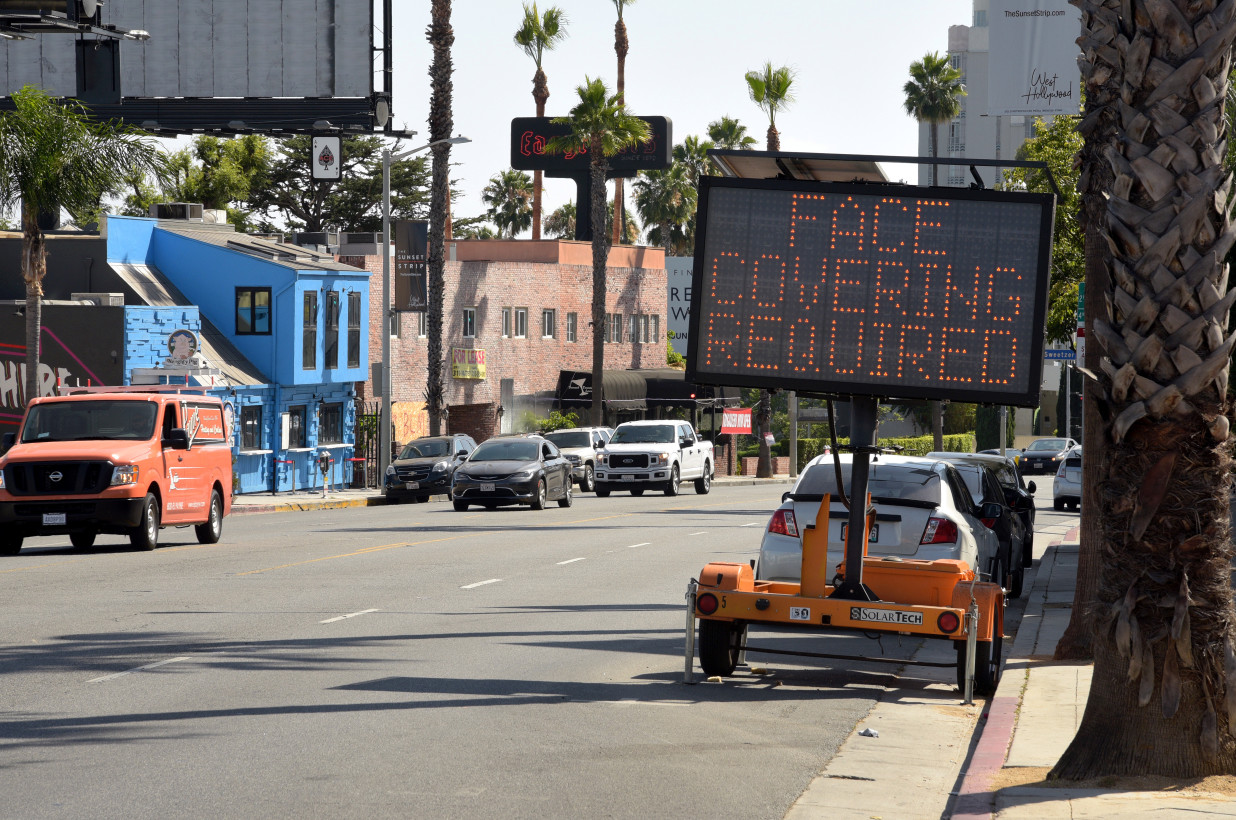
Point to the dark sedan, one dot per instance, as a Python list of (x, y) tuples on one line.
[(513, 470), (1044, 455)]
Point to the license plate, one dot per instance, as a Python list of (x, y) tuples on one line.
[(487, 488), (886, 616), (54, 519), (875, 533), (1073, 475), (412, 485), (800, 613), (628, 478)]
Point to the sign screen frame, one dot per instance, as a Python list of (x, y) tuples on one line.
[(1025, 393), (529, 134)]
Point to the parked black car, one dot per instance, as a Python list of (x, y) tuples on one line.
[(513, 470), (425, 466), (1015, 541)]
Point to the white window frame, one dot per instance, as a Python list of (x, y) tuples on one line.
[(549, 323), (644, 320), (422, 324), (656, 327), (521, 323), (572, 327), (469, 323), (506, 323)]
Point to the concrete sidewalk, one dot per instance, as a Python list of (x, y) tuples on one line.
[(301, 500)]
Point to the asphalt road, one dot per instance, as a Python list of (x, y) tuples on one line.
[(411, 662)]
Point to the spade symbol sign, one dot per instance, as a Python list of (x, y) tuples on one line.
[(325, 158)]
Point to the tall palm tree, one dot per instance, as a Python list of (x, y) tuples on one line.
[(508, 196), (53, 155), (621, 47), (601, 125), (692, 153), (1163, 692), (770, 88), (441, 121), (729, 134), (933, 95), (537, 34), (665, 198), (561, 222)]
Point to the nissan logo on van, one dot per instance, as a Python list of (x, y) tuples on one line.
[(56, 476)]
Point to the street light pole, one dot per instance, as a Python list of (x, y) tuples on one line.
[(384, 389)]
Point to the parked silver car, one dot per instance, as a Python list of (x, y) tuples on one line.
[(1067, 491), (923, 511)]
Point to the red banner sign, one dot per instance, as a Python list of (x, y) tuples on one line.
[(736, 420)]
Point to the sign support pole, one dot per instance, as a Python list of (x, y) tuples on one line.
[(863, 414)]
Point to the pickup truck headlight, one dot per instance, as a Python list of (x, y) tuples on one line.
[(600, 458), (660, 459), (124, 474)]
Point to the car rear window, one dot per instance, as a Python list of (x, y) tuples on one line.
[(891, 481)]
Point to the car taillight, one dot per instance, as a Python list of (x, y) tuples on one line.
[(783, 523), (1060, 470), (989, 523), (939, 531)]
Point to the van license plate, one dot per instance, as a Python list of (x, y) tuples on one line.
[(875, 533), (53, 519)]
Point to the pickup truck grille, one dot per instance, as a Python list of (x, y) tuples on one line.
[(57, 477), (633, 461)]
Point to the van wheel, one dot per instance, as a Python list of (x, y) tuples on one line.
[(10, 544), (209, 532), (719, 646), (146, 535), (704, 483), (82, 538)]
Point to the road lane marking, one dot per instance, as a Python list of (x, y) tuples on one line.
[(140, 669), (482, 583), (349, 615), (753, 524), (643, 544), (701, 532), (571, 561)]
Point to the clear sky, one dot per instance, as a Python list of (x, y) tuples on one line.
[(686, 62)]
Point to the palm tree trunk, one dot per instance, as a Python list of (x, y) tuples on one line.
[(1163, 693), (600, 250), (774, 138), (621, 46), (540, 93), (34, 268), (934, 131), (441, 37)]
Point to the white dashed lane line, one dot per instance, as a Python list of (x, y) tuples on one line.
[(641, 544), (571, 561), (349, 615), (701, 532), (139, 669), (482, 583), (753, 524)]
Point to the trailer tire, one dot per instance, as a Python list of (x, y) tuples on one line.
[(719, 646), (988, 665)]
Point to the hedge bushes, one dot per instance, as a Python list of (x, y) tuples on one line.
[(809, 448)]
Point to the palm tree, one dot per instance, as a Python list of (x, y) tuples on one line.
[(666, 199), (561, 223), (441, 37), (769, 88), (508, 196), (537, 34), (602, 126), (53, 155), (621, 46), (729, 134), (692, 153), (933, 95), (1163, 692)]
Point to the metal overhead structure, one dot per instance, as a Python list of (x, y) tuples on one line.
[(23, 19)]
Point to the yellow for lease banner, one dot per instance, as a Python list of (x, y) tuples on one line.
[(467, 363)]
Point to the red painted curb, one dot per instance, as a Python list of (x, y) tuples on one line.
[(974, 800)]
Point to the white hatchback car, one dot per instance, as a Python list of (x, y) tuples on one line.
[(1067, 490), (923, 511)]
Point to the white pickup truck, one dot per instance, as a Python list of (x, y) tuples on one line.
[(656, 454)]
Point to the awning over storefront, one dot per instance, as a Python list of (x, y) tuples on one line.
[(641, 389), (667, 386)]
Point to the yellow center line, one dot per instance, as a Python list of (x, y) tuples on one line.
[(361, 551)]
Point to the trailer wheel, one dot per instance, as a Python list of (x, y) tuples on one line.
[(719, 646), (10, 544), (988, 665)]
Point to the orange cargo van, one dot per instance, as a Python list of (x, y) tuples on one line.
[(116, 460)]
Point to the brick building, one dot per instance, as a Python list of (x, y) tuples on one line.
[(517, 313)]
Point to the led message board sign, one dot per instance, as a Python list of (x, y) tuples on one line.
[(529, 135), (890, 290)]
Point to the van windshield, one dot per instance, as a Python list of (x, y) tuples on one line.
[(87, 420)]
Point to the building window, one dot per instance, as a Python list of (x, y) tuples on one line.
[(521, 323), (469, 322), (354, 328), (330, 424), (613, 327), (506, 323), (633, 330), (332, 330), (309, 344), (549, 324), (422, 324), (643, 329), (656, 327), (251, 427), (252, 311), (980, 18), (296, 427), (572, 329)]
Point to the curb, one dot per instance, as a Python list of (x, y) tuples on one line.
[(303, 506)]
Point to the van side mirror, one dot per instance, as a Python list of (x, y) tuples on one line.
[(177, 439)]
